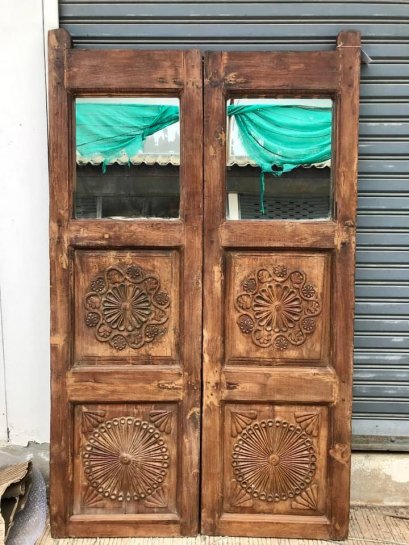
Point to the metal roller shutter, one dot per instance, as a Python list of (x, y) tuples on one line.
[(381, 388)]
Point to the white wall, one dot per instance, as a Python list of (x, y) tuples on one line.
[(24, 268)]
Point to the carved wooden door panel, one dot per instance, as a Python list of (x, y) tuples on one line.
[(278, 307), (125, 298)]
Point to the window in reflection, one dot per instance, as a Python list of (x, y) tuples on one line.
[(279, 159), (127, 158)]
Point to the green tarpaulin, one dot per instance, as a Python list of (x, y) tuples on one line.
[(278, 138)]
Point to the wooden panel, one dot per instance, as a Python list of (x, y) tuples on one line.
[(125, 459), (291, 384), (148, 383), (278, 321), (243, 72), (275, 459), (111, 233), (126, 308), (320, 234), (104, 71), (277, 308)]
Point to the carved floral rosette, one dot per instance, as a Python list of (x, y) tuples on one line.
[(278, 307), (127, 307)]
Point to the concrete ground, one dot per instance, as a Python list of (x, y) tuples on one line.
[(369, 526)]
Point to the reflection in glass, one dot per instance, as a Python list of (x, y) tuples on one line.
[(127, 158), (279, 158)]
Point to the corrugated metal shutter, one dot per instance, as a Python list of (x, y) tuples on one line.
[(381, 387)]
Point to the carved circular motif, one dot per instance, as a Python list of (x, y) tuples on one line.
[(274, 460), (127, 307), (276, 307), (125, 459)]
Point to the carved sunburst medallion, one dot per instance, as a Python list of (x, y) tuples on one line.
[(125, 459), (127, 307), (274, 460), (278, 307)]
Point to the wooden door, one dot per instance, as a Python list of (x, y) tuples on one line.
[(278, 319), (125, 317)]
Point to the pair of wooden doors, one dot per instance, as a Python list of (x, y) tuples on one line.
[(213, 421)]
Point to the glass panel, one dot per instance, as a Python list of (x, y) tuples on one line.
[(127, 158), (279, 159)]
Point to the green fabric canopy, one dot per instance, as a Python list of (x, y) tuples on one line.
[(110, 130), (281, 138), (278, 138)]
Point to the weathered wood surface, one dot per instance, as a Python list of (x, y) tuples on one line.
[(61, 183), (111, 71), (346, 170), (279, 384), (115, 233), (277, 390), (278, 72), (125, 386), (279, 234)]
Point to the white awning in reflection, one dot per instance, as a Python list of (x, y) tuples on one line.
[(162, 149)]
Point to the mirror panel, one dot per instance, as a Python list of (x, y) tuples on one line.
[(279, 159), (127, 158)]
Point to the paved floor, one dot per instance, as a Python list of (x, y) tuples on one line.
[(369, 526)]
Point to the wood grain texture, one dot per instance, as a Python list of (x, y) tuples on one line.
[(276, 381), (290, 234), (191, 173), (126, 320), (279, 72), (60, 172), (148, 383), (213, 286), (346, 167), (125, 233), (144, 72), (248, 383)]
